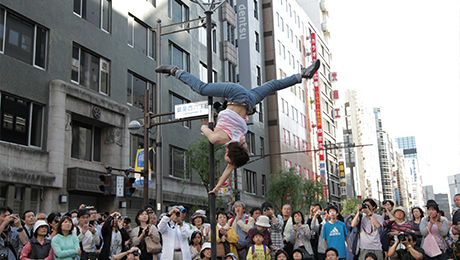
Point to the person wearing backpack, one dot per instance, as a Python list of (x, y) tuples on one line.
[(258, 251)]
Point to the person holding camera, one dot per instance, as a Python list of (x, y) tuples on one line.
[(142, 232), (132, 254), (300, 233), (11, 234), (276, 223), (396, 224), (87, 235), (411, 251), (114, 236), (368, 223), (175, 236)]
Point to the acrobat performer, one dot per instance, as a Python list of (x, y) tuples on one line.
[(231, 123)]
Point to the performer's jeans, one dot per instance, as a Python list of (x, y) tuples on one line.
[(234, 92)]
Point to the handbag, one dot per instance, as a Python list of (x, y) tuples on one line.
[(385, 238), (220, 250), (151, 246), (430, 246)]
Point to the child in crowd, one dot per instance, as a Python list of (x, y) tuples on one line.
[(258, 251), (335, 233)]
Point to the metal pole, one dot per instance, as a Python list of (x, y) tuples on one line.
[(352, 175), (328, 176), (159, 137), (146, 146), (212, 175)]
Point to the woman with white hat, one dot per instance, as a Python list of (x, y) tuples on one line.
[(262, 224), (38, 247), (197, 221), (205, 253), (397, 223)]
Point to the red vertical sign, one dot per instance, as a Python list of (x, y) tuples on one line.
[(319, 125)]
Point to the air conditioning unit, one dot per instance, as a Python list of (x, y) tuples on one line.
[(322, 5)]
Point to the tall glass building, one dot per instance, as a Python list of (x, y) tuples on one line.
[(408, 145)]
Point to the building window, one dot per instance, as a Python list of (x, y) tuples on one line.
[(231, 72), (90, 70), (204, 73), (261, 112), (251, 142), (141, 37), (282, 24), (231, 34), (177, 100), (22, 121), (263, 185), (86, 142), (259, 81), (23, 39), (136, 88), (287, 136), (262, 145), (177, 161), (251, 180), (178, 11), (202, 36), (257, 42), (179, 57), (256, 10), (97, 12)]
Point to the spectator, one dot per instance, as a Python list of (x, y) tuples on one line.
[(276, 223), (369, 237), (335, 233), (387, 207), (352, 231), (205, 253), (300, 233), (38, 247), (286, 211), (371, 256), (65, 245), (195, 245), (332, 254), (41, 216), (397, 223), (197, 221), (411, 251), (437, 226), (114, 236), (417, 215), (255, 213), (88, 236), (175, 235), (316, 211), (29, 220), (131, 254), (144, 231), (127, 225), (230, 256), (241, 223), (262, 224), (226, 235), (258, 251), (299, 254), (317, 228), (183, 214), (53, 220), (230, 214), (281, 255), (10, 240)]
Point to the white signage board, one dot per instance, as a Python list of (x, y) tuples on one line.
[(191, 109), (120, 184)]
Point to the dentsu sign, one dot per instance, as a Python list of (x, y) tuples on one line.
[(244, 58)]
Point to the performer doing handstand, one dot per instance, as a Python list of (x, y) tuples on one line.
[(231, 123)]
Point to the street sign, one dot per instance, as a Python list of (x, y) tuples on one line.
[(120, 184), (191, 109)]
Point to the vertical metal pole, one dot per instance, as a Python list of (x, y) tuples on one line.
[(349, 153), (328, 176), (146, 146), (212, 175), (159, 137)]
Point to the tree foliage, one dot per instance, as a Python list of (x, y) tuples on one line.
[(198, 159), (350, 206), (287, 187)]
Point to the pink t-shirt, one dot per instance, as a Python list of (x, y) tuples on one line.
[(232, 124)]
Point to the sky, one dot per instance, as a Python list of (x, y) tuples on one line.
[(403, 56)]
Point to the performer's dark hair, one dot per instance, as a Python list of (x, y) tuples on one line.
[(238, 154)]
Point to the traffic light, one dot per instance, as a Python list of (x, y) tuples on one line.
[(106, 179), (129, 189)]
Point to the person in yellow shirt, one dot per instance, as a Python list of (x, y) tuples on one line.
[(258, 251)]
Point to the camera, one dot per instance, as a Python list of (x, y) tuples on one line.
[(364, 206), (150, 211), (3, 257), (266, 209), (91, 222), (146, 231), (402, 236), (177, 214), (135, 253)]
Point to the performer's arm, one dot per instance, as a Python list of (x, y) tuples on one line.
[(228, 170), (214, 137)]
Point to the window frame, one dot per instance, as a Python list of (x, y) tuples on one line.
[(172, 95), (101, 13), (185, 56), (92, 127), (172, 170), (250, 178), (150, 44)]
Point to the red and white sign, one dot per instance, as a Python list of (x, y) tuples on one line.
[(337, 113), (333, 76), (319, 125), (335, 94)]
